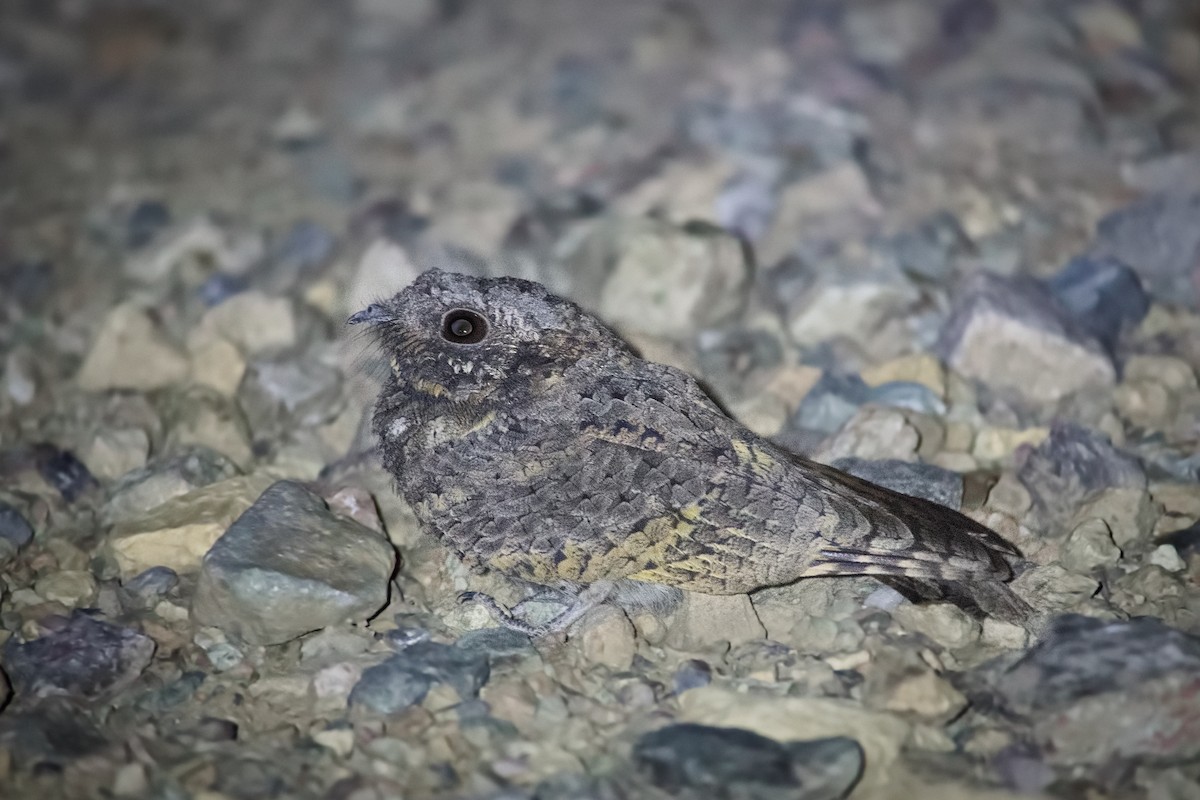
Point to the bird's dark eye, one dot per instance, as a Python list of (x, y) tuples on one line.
[(463, 326)]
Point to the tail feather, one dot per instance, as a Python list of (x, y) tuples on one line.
[(978, 598)]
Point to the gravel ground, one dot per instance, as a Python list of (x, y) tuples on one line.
[(952, 246)]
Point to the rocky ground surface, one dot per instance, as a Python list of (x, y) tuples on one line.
[(950, 245)]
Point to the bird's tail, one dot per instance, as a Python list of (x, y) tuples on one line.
[(978, 598)]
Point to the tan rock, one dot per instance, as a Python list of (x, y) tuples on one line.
[(608, 638), (1090, 546), (131, 352), (921, 368), (926, 694), (946, 624), (218, 364), (874, 433), (705, 620), (179, 532), (72, 588), (255, 322), (791, 383), (1129, 513), (114, 452), (1145, 403), (998, 444), (1173, 373)]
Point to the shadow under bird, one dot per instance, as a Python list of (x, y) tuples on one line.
[(533, 441)]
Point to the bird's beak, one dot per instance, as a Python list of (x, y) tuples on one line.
[(372, 314)]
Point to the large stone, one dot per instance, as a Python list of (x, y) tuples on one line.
[(1158, 237), (131, 352), (200, 417), (932, 483), (83, 658), (257, 323), (288, 566), (162, 479), (177, 533), (740, 763), (668, 281), (1087, 674), (1010, 334)]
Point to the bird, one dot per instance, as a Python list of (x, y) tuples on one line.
[(533, 441)]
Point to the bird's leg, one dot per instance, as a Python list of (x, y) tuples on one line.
[(585, 601)]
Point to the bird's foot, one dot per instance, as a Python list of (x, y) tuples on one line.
[(585, 601)]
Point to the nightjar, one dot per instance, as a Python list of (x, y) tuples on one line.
[(532, 440)]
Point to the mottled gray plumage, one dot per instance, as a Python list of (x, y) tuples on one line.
[(533, 441)]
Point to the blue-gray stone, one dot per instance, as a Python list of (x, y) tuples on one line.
[(14, 528), (830, 402), (692, 760), (927, 481), (1103, 295)]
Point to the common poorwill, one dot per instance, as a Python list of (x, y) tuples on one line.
[(533, 441)]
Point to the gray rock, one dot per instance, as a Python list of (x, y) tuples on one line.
[(389, 688), (81, 657), (405, 678), (1072, 464), (830, 403), (907, 394), (1158, 237), (668, 281), (927, 481), (497, 644), (1085, 673), (1012, 335), (164, 478), (276, 396), (14, 528), (148, 587), (288, 566), (695, 761), (1103, 295), (691, 674)]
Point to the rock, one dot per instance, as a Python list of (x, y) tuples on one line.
[(607, 638), (339, 740), (296, 127), (1164, 556), (704, 620), (1089, 547), (860, 311), (476, 214), (131, 352), (14, 528), (278, 395), (668, 281), (691, 674), (145, 589), (82, 657), (831, 401), (18, 378), (945, 624), (1007, 635), (875, 434), (1173, 373), (177, 533), (1052, 588), (1145, 404), (842, 191), (1129, 513), (1073, 464), (916, 690), (998, 444), (114, 452), (1103, 296), (906, 394), (1011, 335), (131, 781), (288, 566), (164, 478), (218, 364), (1087, 672), (918, 480), (63, 471), (881, 735), (406, 678), (201, 417), (1157, 237), (145, 221), (688, 760), (199, 240), (257, 323), (72, 588)]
